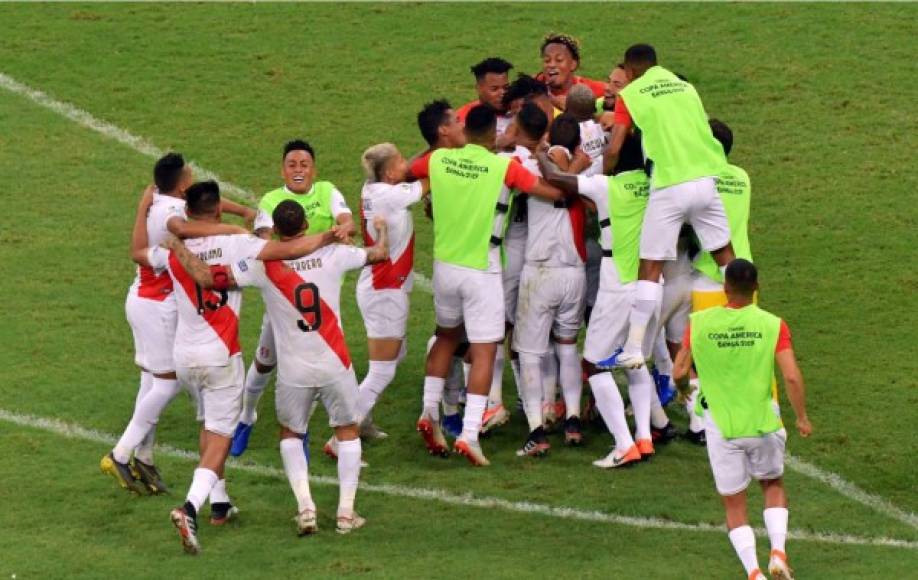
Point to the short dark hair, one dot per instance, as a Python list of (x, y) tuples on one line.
[(723, 134), (494, 65), (641, 54), (524, 87), (565, 131), (168, 171), (532, 120), (480, 120), (431, 118), (289, 218), (631, 155), (203, 198), (299, 145), (742, 276), (571, 43)]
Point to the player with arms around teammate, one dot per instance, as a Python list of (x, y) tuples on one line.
[(491, 82), (734, 349), (384, 287), (685, 159), (325, 210), (150, 309), (302, 298)]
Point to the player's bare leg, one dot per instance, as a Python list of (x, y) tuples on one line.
[(439, 360), (349, 452), (482, 370)]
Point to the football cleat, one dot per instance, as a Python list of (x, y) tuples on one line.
[(370, 431), (347, 524), (149, 476), (452, 424), (778, 567), (619, 459), (241, 439), (306, 522), (122, 473), (757, 575), (621, 359), (696, 437), (663, 435), (645, 448), (493, 418), (331, 448), (471, 450), (573, 432), (185, 521), (433, 436), (666, 388), (222, 513), (536, 444)]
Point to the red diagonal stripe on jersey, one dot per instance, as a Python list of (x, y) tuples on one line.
[(154, 287), (576, 211), (286, 280), (223, 320), (388, 275)]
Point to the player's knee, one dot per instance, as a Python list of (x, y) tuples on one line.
[(263, 368), (347, 432)]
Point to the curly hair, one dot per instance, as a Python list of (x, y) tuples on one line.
[(567, 40)]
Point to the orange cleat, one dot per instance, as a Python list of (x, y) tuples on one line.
[(433, 436), (471, 451), (618, 459), (645, 447)]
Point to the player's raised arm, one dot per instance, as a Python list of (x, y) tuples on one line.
[(198, 229), (199, 271), (553, 174), (139, 233), (796, 392), (243, 211), (379, 252), (296, 247)]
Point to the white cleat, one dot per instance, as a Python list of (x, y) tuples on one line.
[(471, 450), (778, 568), (618, 458), (370, 431), (306, 522), (347, 524)]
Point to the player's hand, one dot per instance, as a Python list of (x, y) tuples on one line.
[(379, 222), (342, 233), (606, 120), (580, 158), (684, 388), (804, 426), (170, 241), (146, 199)]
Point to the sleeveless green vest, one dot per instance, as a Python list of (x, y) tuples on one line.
[(735, 191), (734, 354), (316, 203), (628, 192), (674, 128), (465, 185)]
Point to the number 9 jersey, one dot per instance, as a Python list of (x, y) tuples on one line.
[(302, 298)]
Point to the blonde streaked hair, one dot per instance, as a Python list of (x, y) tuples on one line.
[(375, 159)]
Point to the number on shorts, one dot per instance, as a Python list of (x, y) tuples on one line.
[(207, 304), (306, 300)]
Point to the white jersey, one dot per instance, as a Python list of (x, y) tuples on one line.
[(515, 237), (596, 189), (593, 141), (556, 230), (302, 299), (503, 123), (393, 202), (152, 283), (208, 320)]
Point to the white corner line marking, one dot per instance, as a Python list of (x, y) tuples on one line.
[(78, 432)]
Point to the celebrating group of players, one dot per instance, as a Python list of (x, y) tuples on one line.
[(579, 203)]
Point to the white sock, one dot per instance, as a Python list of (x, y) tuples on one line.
[(549, 377), (776, 524), (144, 450), (348, 474), (433, 394), (297, 470), (378, 377), (640, 386), (474, 411), (647, 295), (658, 418), (515, 367), (695, 422), (612, 409), (496, 394), (218, 493), (145, 417), (661, 359), (571, 375), (743, 541), (531, 390), (204, 480), (255, 383)]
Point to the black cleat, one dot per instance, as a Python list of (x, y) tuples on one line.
[(186, 522), (149, 476), (536, 444), (573, 432), (663, 435), (696, 437), (222, 513), (122, 473)]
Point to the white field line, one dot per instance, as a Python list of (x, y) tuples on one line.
[(143, 146), (77, 432)]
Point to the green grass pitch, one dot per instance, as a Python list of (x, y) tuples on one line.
[(822, 102)]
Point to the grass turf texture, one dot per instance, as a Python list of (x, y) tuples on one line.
[(820, 133)]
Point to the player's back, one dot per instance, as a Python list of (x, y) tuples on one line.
[(152, 283), (392, 202), (593, 143), (556, 231)]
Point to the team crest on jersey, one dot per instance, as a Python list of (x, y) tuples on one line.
[(243, 267)]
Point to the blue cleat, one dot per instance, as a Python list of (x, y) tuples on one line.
[(666, 390), (621, 359), (452, 424), (306, 445), (241, 439)]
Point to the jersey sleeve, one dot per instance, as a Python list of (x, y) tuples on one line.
[(248, 272), (263, 220), (594, 187), (784, 338), (338, 205), (350, 258), (420, 167), (404, 195), (519, 178), (158, 257), (247, 247), (621, 115)]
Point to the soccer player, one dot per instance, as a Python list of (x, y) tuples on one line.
[(560, 59), (605, 105), (470, 191), (552, 287), (325, 210), (593, 140), (685, 159), (620, 203), (491, 81), (150, 309), (527, 89), (302, 298), (440, 127), (207, 353), (734, 349), (384, 287)]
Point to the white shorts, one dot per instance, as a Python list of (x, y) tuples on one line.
[(609, 321), (266, 354), (694, 202), (676, 305), (735, 462), (516, 257), (153, 325), (470, 297), (551, 303), (218, 393), (294, 404), (385, 312)]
